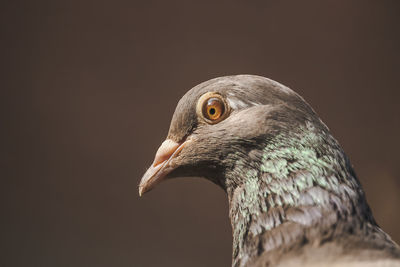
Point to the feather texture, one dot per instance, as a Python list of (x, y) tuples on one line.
[(294, 198)]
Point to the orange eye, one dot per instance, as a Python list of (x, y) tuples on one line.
[(213, 108)]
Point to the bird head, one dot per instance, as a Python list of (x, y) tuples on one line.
[(221, 121), (280, 166)]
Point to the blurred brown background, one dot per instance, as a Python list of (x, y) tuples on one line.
[(88, 90)]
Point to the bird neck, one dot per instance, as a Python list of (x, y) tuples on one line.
[(288, 185)]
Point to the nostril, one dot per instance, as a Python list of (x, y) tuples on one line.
[(165, 151)]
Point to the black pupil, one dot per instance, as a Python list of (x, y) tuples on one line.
[(212, 111)]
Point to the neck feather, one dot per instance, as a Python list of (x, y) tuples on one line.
[(291, 183)]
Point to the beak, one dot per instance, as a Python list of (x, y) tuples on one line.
[(160, 167)]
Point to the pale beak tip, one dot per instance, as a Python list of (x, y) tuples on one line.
[(141, 191)]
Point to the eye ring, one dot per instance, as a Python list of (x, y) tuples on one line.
[(212, 108)]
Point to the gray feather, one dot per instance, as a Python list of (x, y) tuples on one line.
[(294, 198)]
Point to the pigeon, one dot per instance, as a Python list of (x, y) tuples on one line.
[(294, 198)]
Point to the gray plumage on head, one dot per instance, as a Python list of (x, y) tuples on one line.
[(293, 195)]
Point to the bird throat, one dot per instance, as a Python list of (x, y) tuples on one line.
[(288, 186)]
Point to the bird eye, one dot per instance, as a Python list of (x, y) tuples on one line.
[(212, 108)]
